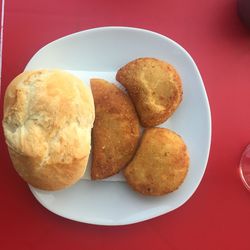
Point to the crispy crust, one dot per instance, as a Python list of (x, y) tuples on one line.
[(51, 176), (115, 132), (155, 88), (48, 115), (160, 164)]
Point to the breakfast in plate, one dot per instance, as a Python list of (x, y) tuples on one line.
[(48, 120)]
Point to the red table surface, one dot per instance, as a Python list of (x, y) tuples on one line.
[(218, 214)]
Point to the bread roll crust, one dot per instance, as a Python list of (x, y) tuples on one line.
[(48, 116)]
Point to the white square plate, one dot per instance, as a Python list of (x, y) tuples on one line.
[(106, 50)]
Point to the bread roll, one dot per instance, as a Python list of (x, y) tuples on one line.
[(48, 116)]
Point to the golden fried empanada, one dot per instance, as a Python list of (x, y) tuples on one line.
[(160, 163), (155, 88), (116, 129)]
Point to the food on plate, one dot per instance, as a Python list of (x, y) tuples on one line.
[(160, 163), (48, 116), (155, 88), (116, 129)]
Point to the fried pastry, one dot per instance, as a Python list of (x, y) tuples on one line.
[(155, 88), (160, 163), (116, 129)]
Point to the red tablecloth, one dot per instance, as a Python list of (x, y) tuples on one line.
[(218, 214)]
